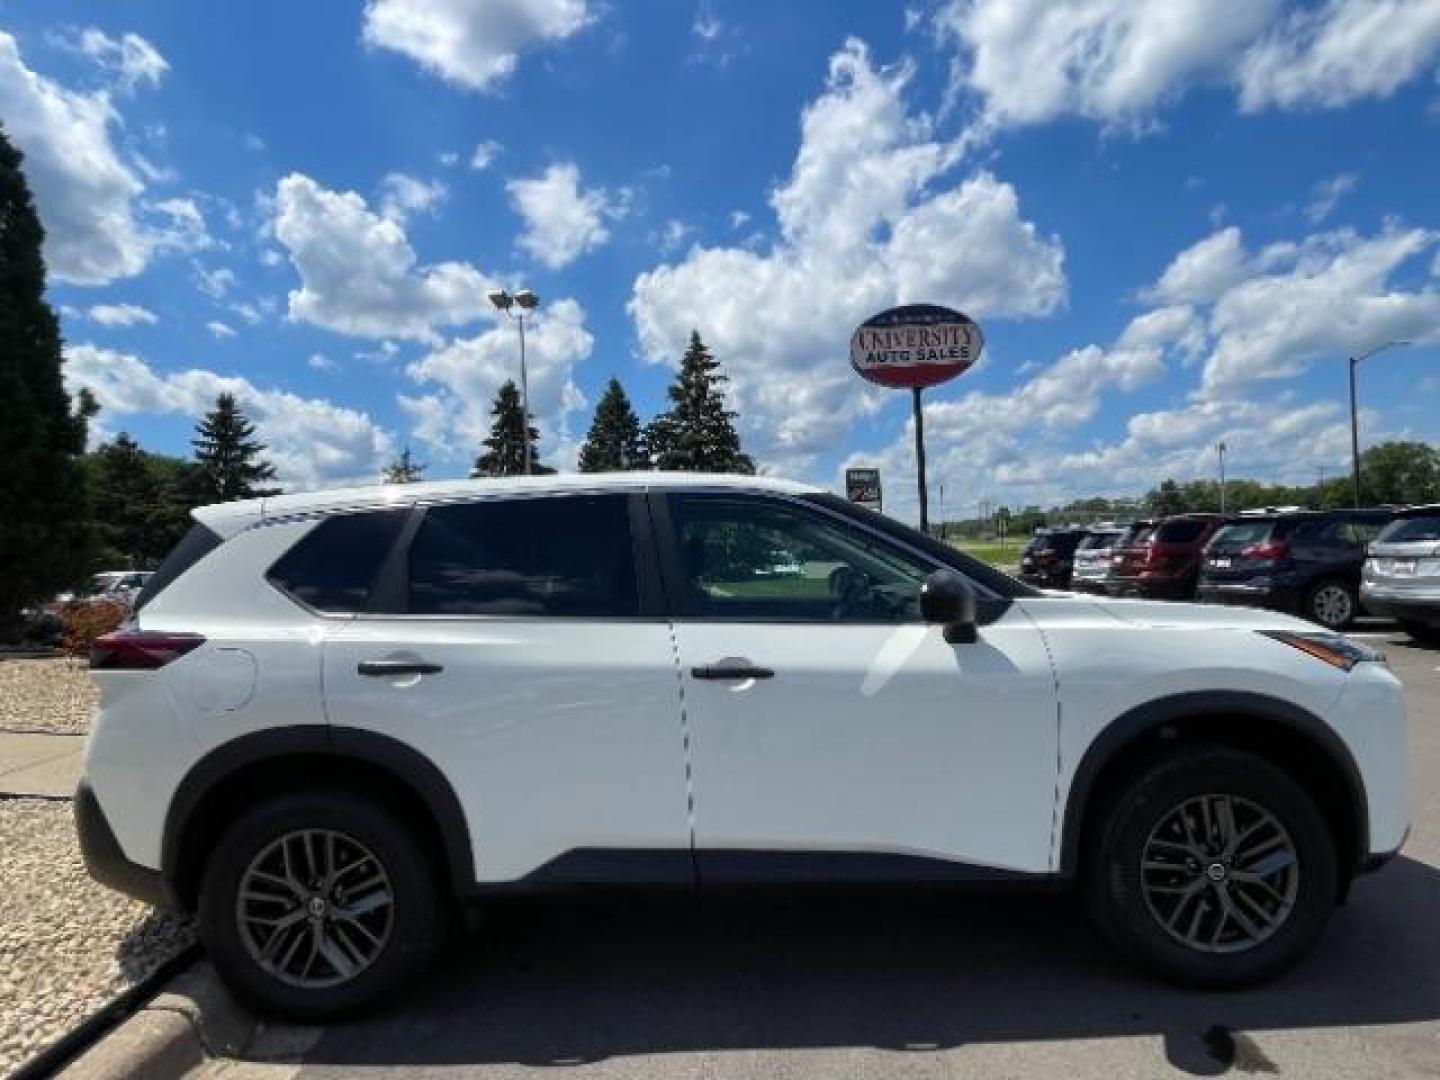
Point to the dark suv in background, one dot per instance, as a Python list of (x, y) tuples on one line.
[(1161, 560), (1306, 562), (1049, 559)]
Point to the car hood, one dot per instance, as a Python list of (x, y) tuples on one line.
[(1077, 607)]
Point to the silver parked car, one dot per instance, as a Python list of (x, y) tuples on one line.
[(1402, 572), (1092, 560)]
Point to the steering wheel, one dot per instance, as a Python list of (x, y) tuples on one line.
[(852, 590)]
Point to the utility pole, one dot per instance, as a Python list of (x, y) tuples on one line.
[(1355, 416)]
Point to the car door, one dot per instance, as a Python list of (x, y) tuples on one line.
[(512, 642), (832, 732)]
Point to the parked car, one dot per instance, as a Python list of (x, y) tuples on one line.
[(337, 714), (1306, 562), (1092, 559), (112, 586), (1049, 559), (1401, 578), (1161, 562)]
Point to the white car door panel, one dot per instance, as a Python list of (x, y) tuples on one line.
[(873, 735)]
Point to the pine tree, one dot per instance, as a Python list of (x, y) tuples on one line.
[(697, 434), (130, 505), (229, 455), (46, 538), (504, 453), (615, 442), (403, 470)]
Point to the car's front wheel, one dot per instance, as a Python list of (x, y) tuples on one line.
[(1213, 868), (316, 904), (1332, 604)]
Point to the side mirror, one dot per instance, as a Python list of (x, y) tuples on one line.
[(948, 599)]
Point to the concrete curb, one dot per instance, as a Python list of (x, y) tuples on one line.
[(193, 1017)]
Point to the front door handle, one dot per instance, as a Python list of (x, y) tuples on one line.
[(731, 668), (387, 668)]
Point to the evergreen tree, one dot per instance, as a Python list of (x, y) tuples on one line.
[(403, 470), (615, 442), (697, 434), (46, 539), (130, 505), (504, 453), (229, 455)]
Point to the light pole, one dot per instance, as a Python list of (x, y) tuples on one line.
[(1354, 415), (1220, 450), (526, 301)]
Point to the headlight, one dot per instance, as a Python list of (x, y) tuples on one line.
[(1334, 649)]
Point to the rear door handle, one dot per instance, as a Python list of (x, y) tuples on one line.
[(731, 668), (384, 668)]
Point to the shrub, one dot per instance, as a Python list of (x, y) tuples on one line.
[(84, 622)]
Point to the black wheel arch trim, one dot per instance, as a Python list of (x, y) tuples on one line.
[(1153, 715), (404, 763)]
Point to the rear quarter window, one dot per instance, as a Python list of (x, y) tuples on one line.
[(333, 566), (1179, 532), (1411, 530), (193, 546)]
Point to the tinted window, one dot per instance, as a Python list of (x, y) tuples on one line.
[(1184, 531), (1098, 540), (1411, 530), (1136, 535), (1240, 536), (193, 546), (1321, 533), (332, 566), (562, 556), (760, 559)]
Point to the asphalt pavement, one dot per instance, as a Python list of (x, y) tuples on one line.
[(903, 984)]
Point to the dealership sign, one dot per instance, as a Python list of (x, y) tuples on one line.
[(914, 346)]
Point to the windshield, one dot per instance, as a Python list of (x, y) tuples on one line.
[(1410, 530)]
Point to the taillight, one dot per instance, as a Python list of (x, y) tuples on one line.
[(140, 650), (1275, 549)]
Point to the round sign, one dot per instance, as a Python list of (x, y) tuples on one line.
[(915, 345)]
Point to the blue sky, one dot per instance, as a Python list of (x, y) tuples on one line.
[(1173, 222)]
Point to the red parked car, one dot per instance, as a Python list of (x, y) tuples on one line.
[(1162, 561)]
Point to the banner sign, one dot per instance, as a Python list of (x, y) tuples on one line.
[(863, 486)]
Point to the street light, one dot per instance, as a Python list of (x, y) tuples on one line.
[(526, 301), (1354, 416)]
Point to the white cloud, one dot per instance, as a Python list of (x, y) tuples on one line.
[(1326, 195), (1118, 62), (1202, 272), (220, 329), (861, 229), (85, 193), (474, 43), (486, 151), (184, 228), (562, 220), (706, 25), (121, 315), (1030, 61), (358, 273), (459, 380), (321, 362), (1343, 51), (674, 234), (402, 195), (312, 442), (214, 283), (738, 218), (131, 58)]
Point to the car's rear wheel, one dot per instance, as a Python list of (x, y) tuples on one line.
[(1213, 868), (1332, 604), (316, 904)]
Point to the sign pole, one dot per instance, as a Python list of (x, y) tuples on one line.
[(920, 460)]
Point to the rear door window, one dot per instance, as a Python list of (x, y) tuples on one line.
[(332, 567), (560, 556)]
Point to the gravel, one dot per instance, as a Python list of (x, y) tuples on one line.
[(67, 945), (47, 696)]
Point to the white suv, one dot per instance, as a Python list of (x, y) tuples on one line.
[(335, 715)]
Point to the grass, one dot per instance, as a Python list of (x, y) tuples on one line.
[(992, 553)]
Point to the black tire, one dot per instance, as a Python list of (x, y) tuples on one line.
[(1127, 911), (1425, 633), (1332, 603), (414, 920)]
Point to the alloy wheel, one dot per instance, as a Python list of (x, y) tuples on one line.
[(1332, 605), (1220, 873), (315, 908)]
